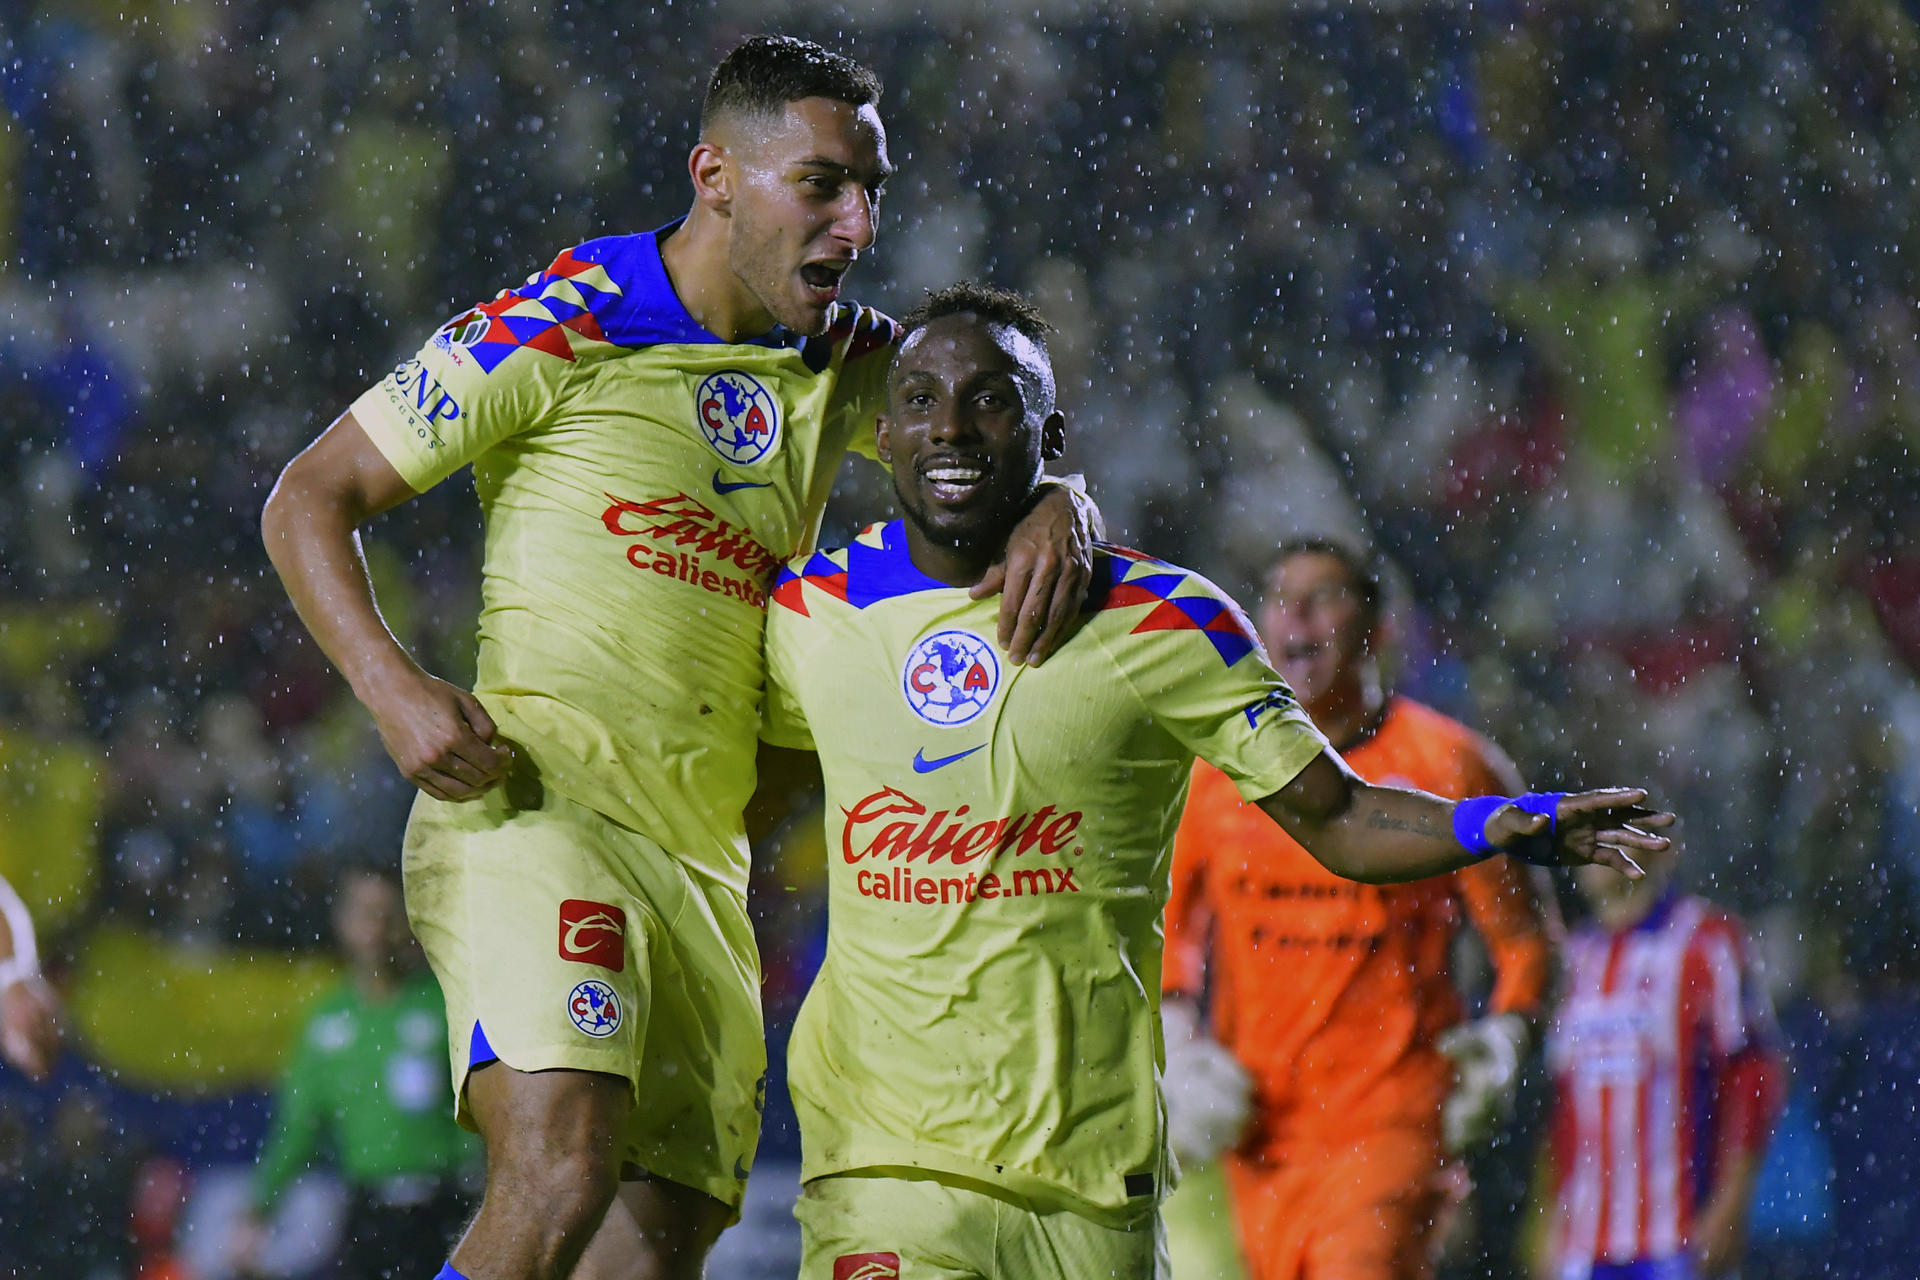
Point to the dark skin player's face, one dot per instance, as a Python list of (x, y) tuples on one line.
[(805, 203), (965, 437)]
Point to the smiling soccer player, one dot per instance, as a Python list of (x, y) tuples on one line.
[(976, 1067), (654, 422)]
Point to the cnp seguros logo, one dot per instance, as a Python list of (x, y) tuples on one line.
[(950, 677), (737, 416), (594, 1008)]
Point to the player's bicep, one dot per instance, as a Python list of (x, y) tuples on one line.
[(1317, 795), (344, 466)]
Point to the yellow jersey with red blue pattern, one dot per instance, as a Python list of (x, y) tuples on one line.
[(642, 481), (999, 840)]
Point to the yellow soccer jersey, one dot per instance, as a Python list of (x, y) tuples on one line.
[(999, 842), (642, 481)]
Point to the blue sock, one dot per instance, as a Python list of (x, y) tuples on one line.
[(448, 1273)]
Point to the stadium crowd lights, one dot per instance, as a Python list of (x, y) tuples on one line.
[(944, 12)]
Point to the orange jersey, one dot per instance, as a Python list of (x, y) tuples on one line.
[(1329, 991)]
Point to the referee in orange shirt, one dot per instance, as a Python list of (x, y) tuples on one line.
[(1334, 999)]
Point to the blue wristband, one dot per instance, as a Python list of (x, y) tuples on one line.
[(1470, 822), (1538, 849), (1470, 825)]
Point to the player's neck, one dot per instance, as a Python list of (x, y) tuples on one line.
[(695, 258), (945, 562), (1350, 712)]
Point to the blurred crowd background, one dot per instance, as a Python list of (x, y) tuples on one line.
[(1597, 320)]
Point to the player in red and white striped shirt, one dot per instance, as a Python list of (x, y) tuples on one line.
[(1668, 1077)]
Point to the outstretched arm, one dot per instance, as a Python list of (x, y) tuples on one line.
[(1044, 577), (1385, 834), (439, 735)]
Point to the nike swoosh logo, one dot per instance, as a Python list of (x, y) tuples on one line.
[(923, 765), (722, 486)]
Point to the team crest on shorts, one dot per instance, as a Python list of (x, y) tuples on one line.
[(950, 677), (737, 416), (867, 1266), (594, 1008)]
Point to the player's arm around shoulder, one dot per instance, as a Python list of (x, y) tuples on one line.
[(1044, 576), (438, 735)]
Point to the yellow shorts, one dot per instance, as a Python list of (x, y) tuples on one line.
[(571, 941), (871, 1226)]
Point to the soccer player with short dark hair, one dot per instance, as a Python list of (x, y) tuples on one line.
[(975, 1069), (654, 423)]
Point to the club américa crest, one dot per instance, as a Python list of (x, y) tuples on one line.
[(738, 416), (950, 677), (594, 1008)]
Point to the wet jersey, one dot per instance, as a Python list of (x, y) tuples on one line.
[(1666, 1064), (1330, 991), (998, 842), (642, 480)]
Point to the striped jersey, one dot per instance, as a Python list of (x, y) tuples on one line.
[(1666, 1063)]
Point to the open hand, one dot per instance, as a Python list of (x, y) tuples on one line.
[(1604, 827)]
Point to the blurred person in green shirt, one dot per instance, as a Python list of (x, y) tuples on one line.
[(366, 1093)]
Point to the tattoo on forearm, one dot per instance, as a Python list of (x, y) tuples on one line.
[(1380, 821)]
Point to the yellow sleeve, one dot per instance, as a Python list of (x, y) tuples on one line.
[(443, 407), (1198, 667)]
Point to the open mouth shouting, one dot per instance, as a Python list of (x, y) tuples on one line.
[(822, 278)]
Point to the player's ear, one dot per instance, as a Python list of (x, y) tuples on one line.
[(883, 440), (1053, 436), (712, 172)]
